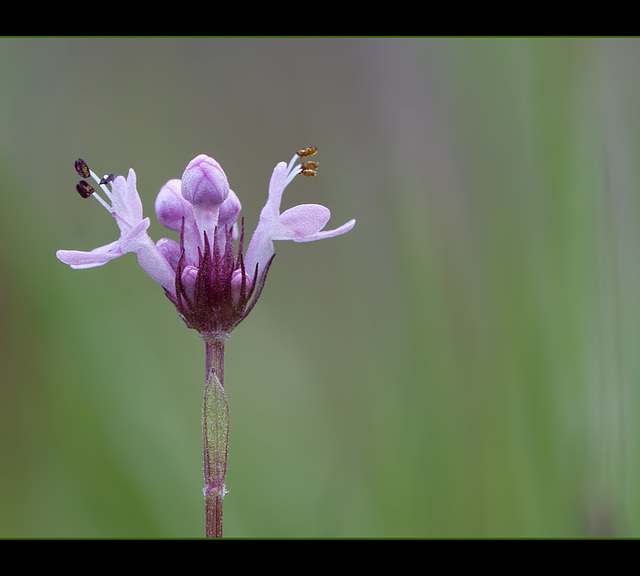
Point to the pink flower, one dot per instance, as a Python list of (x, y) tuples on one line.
[(209, 281), (303, 223), (212, 285), (126, 208)]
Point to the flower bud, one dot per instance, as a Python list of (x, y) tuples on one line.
[(189, 278), (170, 249), (236, 285), (170, 206), (229, 209), (204, 182)]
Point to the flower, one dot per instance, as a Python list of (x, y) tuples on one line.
[(212, 285), (209, 281), (303, 223), (126, 208)]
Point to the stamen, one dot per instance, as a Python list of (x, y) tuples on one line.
[(104, 187), (84, 188), (81, 168), (293, 172), (307, 169), (306, 152)]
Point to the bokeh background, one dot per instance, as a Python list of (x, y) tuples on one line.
[(464, 363)]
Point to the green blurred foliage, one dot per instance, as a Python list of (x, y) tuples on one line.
[(462, 364)]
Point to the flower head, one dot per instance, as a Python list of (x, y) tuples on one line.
[(211, 283)]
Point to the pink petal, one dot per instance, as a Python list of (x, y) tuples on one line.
[(301, 221), (132, 239), (79, 260), (126, 201), (277, 185), (327, 233), (154, 263)]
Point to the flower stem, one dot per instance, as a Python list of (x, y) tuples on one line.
[(215, 436)]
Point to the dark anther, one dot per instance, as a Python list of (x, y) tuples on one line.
[(310, 165), (306, 152), (308, 172), (81, 168), (107, 179), (84, 189)]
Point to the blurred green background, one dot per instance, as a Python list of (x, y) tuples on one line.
[(464, 363)]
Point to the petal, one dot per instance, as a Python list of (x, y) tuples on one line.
[(154, 263), (327, 233), (260, 250), (301, 221), (79, 260), (126, 202), (277, 184), (131, 240), (304, 223)]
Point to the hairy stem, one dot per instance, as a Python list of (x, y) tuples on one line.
[(215, 436)]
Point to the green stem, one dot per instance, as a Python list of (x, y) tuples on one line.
[(215, 436)]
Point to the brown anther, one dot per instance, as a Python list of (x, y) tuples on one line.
[(308, 172), (81, 168), (84, 189), (311, 165), (306, 152), (107, 179)]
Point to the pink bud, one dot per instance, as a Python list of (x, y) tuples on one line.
[(189, 277), (170, 249), (204, 182), (229, 209), (170, 206)]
